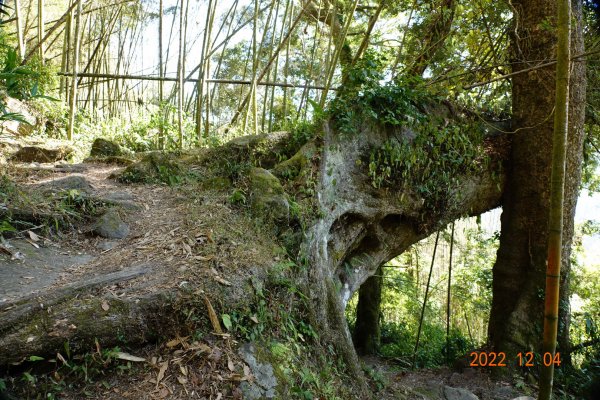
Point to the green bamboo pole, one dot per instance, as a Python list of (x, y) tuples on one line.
[(557, 187), (161, 84), (448, 298), (414, 360), (73, 98)]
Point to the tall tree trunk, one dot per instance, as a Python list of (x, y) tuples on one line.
[(367, 331), (519, 272)]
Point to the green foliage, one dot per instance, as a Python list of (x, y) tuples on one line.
[(431, 162), (237, 197), (364, 98), (158, 167), (47, 379), (5, 226), (27, 81), (403, 291), (429, 154)]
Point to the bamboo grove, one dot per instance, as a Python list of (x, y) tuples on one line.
[(252, 66)]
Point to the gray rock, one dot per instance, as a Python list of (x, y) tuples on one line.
[(523, 398), (42, 154), (451, 393), (122, 199), (73, 182), (504, 393), (105, 148), (19, 128), (265, 383), (106, 245), (111, 226), (76, 168)]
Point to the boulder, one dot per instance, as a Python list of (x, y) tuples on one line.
[(451, 393), (264, 384), (73, 182), (105, 148), (111, 226), (26, 122), (268, 198), (42, 154)]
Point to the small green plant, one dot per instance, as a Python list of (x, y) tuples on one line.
[(5, 226), (237, 197)]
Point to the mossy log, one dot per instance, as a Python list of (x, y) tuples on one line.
[(40, 325)]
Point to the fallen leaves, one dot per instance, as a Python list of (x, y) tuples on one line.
[(206, 368)]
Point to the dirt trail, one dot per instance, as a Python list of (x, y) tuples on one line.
[(178, 238), (46, 263)]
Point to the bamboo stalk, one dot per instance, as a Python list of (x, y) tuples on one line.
[(20, 42), (557, 189), (62, 19), (168, 79), (336, 54), (365, 42), (41, 29), (285, 13), (73, 99), (254, 67), (269, 63), (180, 76), (414, 360), (64, 83), (161, 132), (448, 298)]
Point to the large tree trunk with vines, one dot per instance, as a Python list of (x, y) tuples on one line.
[(363, 226), (519, 272)]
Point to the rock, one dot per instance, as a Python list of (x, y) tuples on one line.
[(523, 398), (268, 198), (111, 226), (18, 128), (505, 393), (451, 393), (73, 182), (105, 148), (113, 160), (42, 154), (265, 383), (70, 168), (107, 245), (266, 149), (122, 199), (153, 168)]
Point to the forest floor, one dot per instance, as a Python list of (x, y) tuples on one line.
[(176, 237)]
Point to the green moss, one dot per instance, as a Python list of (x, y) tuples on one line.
[(262, 182), (292, 167), (156, 167)]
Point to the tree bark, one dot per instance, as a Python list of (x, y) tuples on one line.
[(363, 227), (519, 272)]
